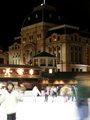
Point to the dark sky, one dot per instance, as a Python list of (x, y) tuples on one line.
[(12, 13)]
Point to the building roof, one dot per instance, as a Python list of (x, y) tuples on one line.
[(44, 54), (41, 13), (44, 6)]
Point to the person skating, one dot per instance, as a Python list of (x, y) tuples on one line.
[(10, 98)]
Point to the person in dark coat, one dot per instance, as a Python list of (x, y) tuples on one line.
[(83, 93)]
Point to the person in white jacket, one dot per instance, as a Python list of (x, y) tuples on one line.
[(35, 93), (10, 98)]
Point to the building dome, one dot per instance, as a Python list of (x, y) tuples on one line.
[(41, 13)]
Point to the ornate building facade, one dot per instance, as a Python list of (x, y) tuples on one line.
[(43, 30)]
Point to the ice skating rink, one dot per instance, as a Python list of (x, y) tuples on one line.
[(59, 109)]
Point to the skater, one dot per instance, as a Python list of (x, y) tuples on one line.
[(66, 92), (53, 92), (47, 93), (35, 93), (83, 93), (10, 98)]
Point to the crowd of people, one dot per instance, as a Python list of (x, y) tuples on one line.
[(67, 91), (11, 95)]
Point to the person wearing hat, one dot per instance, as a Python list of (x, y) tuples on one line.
[(10, 98)]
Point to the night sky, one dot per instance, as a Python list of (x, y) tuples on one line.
[(12, 13)]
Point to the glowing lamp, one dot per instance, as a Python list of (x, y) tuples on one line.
[(31, 71)]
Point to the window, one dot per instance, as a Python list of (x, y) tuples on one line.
[(54, 38), (72, 57), (1, 61), (76, 38), (77, 69), (24, 40), (42, 62), (58, 70), (80, 39), (58, 38), (50, 40), (80, 70), (49, 49), (80, 58), (71, 48), (76, 58), (39, 51), (38, 36), (50, 62), (58, 48), (12, 48), (71, 38), (36, 62), (87, 41), (36, 16), (72, 69), (15, 46), (29, 18), (31, 37)]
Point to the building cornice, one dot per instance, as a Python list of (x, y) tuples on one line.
[(37, 24), (64, 26)]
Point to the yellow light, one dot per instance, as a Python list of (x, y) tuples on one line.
[(61, 82), (45, 82), (31, 71), (56, 82)]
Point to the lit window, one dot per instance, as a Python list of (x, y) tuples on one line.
[(50, 71), (31, 72), (59, 17), (28, 18), (36, 16)]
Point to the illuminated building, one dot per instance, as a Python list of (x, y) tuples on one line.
[(55, 47), (43, 30)]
